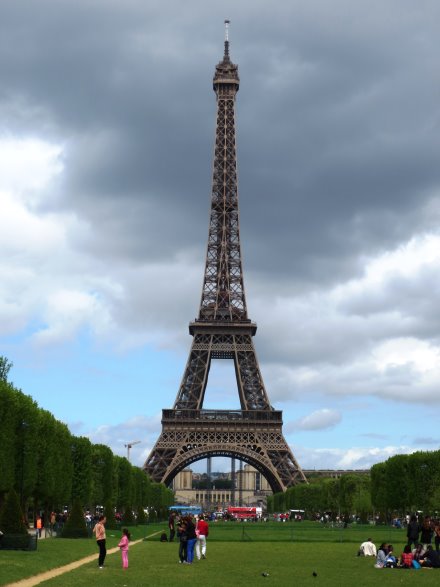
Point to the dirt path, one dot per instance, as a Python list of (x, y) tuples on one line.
[(37, 579)]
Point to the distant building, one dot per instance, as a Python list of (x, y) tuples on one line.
[(250, 488)]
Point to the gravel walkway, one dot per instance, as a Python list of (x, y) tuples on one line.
[(37, 579)]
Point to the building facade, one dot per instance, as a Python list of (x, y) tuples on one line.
[(250, 489)]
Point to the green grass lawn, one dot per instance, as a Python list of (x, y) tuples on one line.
[(237, 555)]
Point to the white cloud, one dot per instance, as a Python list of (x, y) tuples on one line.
[(374, 335), (318, 420), (353, 458), (145, 429), (403, 351), (27, 166)]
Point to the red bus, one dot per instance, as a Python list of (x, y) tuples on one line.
[(241, 513)]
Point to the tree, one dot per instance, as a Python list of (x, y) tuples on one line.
[(125, 483), (397, 483), (8, 439), (82, 465), (11, 516), (379, 492), (54, 471), (5, 367), (26, 447), (75, 527), (101, 474)]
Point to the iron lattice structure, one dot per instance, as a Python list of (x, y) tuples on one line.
[(224, 331)]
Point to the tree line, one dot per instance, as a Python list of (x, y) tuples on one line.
[(396, 487), (49, 468)]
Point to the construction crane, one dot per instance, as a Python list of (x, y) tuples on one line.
[(129, 445)]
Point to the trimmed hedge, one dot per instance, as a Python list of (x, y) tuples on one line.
[(19, 542)]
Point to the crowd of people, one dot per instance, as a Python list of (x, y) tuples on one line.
[(417, 553), (191, 533)]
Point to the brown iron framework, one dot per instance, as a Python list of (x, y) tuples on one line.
[(224, 331)]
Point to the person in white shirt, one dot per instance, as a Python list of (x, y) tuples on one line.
[(367, 548)]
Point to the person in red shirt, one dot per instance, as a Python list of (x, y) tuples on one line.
[(202, 531), (407, 558)]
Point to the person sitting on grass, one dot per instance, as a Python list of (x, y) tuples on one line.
[(390, 561), (381, 556), (418, 552), (367, 548), (431, 558), (407, 558)]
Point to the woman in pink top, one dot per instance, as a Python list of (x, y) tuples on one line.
[(123, 545), (99, 531)]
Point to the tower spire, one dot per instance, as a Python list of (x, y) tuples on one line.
[(227, 23)]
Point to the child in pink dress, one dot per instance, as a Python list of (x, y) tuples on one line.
[(123, 545)]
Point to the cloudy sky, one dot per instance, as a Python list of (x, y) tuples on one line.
[(107, 121)]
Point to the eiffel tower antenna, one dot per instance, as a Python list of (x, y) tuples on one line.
[(227, 22), (223, 330)]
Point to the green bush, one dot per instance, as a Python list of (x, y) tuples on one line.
[(11, 516), (19, 542), (75, 527)]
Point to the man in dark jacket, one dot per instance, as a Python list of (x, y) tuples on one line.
[(172, 525), (431, 558), (413, 531)]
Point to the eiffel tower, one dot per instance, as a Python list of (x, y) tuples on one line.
[(223, 331)]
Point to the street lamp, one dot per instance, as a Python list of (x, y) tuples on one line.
[(128, 447)]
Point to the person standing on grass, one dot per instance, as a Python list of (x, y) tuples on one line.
[(123, 545), (413, 531), (39, 525), (437, 535), (202, 531), (172, 525), (426, 532), (183, 540), (191, 540), (99, 531)]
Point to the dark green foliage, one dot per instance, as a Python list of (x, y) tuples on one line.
[(75, 527), (142, 489), (81, 448), (101, 474), (128, 518), (109, 513), (8, 419), (350, 494), (27, 446), (54, 471), (19, 542), (141, 517), (5, 367), (407, 483), (11, 516), (125, 485), (379, 489)]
